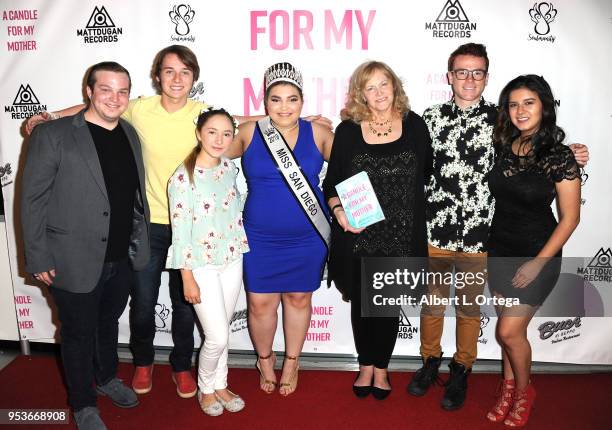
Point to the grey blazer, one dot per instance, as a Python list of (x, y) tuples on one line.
[(65, 212)]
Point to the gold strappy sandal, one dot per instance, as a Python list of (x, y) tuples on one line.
[(293, 381), (262, 379)]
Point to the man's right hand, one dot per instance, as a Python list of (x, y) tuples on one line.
[(33, 121), (46, 277)]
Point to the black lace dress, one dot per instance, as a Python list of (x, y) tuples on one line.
[(524, 188), (397, 172)]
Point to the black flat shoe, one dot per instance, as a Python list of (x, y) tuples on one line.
[(361, 391), (380, 393)]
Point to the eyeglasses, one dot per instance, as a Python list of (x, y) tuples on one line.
[(463, 74)]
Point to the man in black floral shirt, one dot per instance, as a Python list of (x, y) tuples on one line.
[(459, 213)]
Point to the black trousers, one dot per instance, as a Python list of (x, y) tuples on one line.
[(374, 336), (143, 307), (89, 331)]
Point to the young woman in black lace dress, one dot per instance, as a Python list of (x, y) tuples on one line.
[(533, 167)]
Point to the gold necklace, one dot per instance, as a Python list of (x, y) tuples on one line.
[(286, 129), (384, 124)]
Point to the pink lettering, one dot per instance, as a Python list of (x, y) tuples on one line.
[(255, 30), (285, 29), (298, 30), (365, 31), (250, 99), (346, 29)]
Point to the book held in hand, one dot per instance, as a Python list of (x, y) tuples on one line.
[(359, 201)]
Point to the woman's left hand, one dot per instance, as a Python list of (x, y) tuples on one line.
[(527, 273)]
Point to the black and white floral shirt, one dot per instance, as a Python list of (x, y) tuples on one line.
[(459, 204)]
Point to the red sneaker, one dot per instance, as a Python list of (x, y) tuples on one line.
[(185, 385), (142, 382)]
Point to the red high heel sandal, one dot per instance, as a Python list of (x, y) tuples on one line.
[(505, 394), (521, 408)]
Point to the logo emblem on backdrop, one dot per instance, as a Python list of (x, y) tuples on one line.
[(559, 331), (25, 96), (238, 321), (100, 19), (100, 28), (452, 12), (197, 92), (161, 315), (484, 321), (406, 329), (181, 16), (452, 21), (602, 259), (6, 174), (599, 268), (584, 176), (542, 14), (25, 104)]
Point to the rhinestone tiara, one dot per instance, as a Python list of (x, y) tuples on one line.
[(283, 72)]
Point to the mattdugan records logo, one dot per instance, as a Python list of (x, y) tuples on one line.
[(100, 28), (599, 268), (25, 104), (181, 16), (406, 329), (542, 14), (452, 22)]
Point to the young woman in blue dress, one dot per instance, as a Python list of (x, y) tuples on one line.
[(288, 254)]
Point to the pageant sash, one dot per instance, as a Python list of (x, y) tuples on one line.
[(294, 178)]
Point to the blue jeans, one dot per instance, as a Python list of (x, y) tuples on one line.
[(144, 294), (89, 332)]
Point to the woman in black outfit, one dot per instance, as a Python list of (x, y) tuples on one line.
[(532, 168), (382, 137)]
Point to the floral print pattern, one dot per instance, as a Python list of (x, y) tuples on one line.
[(206, 217)]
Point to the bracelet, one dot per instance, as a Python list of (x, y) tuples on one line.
[(339, 205)]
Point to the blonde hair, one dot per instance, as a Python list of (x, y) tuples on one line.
[(356, 108)]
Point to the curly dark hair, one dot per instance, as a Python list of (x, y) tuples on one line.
[(548, 134)]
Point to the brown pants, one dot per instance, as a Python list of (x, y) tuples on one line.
[(469, 279)]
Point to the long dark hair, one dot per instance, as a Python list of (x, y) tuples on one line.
[(190, 160), (547, 136)]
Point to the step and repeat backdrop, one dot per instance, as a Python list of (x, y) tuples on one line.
[(46, 46)]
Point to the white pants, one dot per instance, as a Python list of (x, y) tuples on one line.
[(219, 290)]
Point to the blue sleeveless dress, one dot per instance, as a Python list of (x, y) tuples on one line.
[(287, 254)]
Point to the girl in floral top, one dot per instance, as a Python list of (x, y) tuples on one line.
[(208, 241)]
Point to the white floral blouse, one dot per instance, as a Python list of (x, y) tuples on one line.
[(206, 217)]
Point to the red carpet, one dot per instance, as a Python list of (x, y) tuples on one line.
[(323, 401)]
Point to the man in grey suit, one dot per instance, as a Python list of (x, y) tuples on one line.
[(85, 219)]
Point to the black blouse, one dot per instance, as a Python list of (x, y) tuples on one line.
[(397, 171)]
